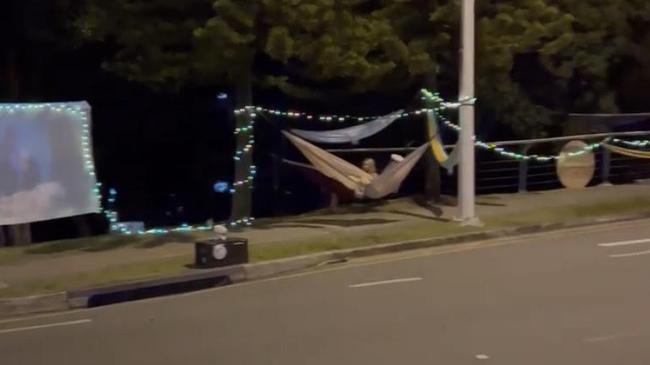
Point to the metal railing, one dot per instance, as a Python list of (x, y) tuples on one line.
[(495, 174), (523, 175)]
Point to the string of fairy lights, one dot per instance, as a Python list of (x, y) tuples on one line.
[(119, 227), (633, 143), (81, 111), (439, 106), (248, 131), (436, 100)]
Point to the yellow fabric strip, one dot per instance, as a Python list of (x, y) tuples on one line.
[(437, 147), (627, 151)]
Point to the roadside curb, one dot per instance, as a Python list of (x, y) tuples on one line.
[(75, 299), (32, 305)]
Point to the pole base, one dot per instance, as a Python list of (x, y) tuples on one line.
[(469, 222)]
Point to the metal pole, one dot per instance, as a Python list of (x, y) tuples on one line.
[(606, 167), (523, 171), (466, 183)]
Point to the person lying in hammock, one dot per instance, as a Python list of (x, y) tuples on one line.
[(370, 167), (366, 183)]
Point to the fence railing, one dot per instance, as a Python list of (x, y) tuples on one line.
[(496, 174)]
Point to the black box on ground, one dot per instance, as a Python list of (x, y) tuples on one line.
[(221, 252)]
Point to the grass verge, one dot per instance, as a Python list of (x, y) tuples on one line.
[(265, 252), (111, 275)]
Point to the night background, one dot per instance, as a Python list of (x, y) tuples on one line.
[(164, 77)]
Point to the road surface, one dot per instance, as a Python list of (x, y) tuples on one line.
[(570, 297)]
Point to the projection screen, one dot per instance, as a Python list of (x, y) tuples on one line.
[(46, 164)]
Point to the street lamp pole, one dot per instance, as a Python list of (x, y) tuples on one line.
[(466, 182)]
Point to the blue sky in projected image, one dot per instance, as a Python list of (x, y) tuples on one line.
[(28, 139)]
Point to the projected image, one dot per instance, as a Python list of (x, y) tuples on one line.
[(42, 174)]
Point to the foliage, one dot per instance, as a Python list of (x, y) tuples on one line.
[(314, 48), (152, 40)]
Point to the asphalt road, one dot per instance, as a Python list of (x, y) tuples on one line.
[(572, 297)]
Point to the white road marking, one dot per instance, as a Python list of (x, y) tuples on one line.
[(42, 326), (608, 338), (624, 243), (385, 282), (631, 254), (482, 357)]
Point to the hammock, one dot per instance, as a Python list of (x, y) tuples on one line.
[(351, 134), (627, 152), (354, 178), (327, 184)]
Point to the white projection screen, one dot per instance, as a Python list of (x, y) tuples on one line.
[(46, 165)]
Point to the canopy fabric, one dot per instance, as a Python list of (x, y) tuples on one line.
[(447, 161), (351, 134), (627, 151), (353, 177)]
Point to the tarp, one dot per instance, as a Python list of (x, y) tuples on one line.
[(46, 169), (351, 134)]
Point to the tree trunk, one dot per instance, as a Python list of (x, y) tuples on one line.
[(242, 197)]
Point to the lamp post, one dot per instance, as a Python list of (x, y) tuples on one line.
[(466, 182)]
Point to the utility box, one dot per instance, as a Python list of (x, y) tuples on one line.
[(221, 252)]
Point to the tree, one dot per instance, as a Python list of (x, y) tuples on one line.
[(345, 47), (326, 48), (570, 46), (32, 33)]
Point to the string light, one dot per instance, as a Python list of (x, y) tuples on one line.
[(333, 117), (303, 115), (249, 179), (439, 105), (246, 221), (634, 143), (519, 156), (81, 112), (239, 154), (121, 228)]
